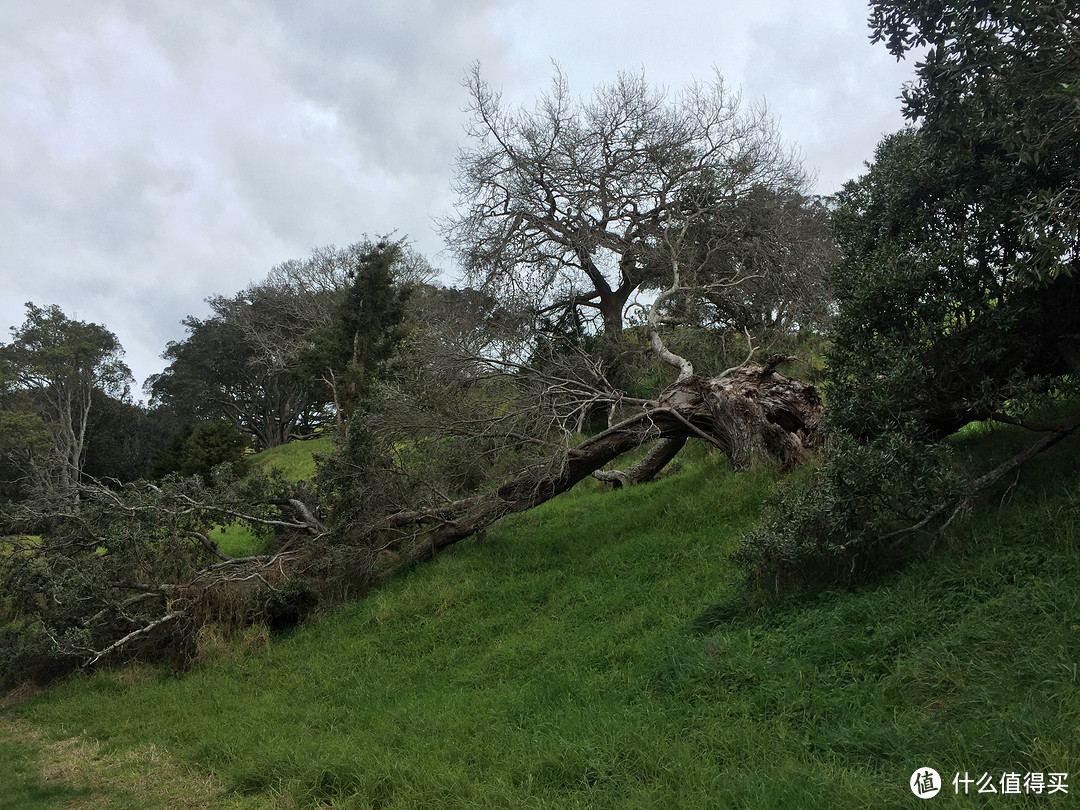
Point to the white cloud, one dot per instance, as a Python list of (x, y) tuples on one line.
[(154, 153)]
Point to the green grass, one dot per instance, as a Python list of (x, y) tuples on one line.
[(237, 539), (593, 654), (296, 460), (22, 786)]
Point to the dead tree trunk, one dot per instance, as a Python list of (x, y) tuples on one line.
[(749, 412), (658, 457)]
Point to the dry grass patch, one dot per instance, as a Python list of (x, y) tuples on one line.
[(146, 777)]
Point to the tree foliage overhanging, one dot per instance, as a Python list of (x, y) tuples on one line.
[(958, 290)]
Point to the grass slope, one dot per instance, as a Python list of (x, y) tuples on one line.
[(295, 460), (570, 659)]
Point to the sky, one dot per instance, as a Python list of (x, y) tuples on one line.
[(154, 153)]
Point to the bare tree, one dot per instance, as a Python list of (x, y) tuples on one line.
[(782, 242), (563, 205)]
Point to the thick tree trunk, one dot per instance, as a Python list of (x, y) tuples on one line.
[(750, 412), (658, 457)]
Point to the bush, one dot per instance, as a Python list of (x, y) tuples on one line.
[(197, 449), (853, 517), (290, 604)]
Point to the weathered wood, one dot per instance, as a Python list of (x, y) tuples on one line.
[(658, 457), (751, 411)]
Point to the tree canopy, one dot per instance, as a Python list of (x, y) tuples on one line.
[(571, 206), (53, 367), (958, 290)]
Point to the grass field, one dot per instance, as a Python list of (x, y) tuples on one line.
[(594, 653), (296, 460)]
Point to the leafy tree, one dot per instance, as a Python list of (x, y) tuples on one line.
[(960, 245), (262, 359), (570, 207), (242, 365), (368, 323), (959, 297), (56, 367), (1001, 80)]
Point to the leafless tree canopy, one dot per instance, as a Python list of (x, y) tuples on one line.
[(563, 207)]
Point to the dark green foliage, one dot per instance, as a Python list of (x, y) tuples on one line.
[(999, 88), (853, 517), (198, 449), (960, 246), (123, 440), (64, 405), (958, 291), (289, 604), (25, 448), (347, 355), (242, 365), (347, 476)]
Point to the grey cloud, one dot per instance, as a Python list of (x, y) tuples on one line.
[(834, 91), (155, 152)]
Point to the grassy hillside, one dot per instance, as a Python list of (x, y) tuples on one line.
[(592, 654), (296, 460)]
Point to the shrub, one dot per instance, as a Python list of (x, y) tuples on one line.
[(852, 517)]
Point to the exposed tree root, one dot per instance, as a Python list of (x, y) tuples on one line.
[(751, 411)]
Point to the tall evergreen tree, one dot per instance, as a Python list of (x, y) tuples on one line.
[(347, 355)]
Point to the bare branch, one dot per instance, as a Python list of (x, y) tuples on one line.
[(134, 634)]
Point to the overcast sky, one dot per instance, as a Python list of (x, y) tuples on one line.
[(156, 152)]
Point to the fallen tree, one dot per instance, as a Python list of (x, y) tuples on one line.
[(751, 411), (104, 572)]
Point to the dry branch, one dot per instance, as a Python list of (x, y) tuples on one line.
[(752, 412)]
